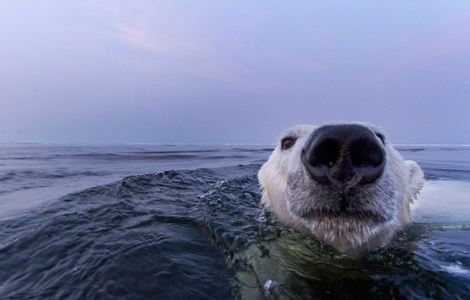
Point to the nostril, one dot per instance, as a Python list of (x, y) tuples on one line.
[(320, 157), (366, 152), (325, 153), (368, 158)]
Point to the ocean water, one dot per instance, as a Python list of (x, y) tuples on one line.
[(183, 222)]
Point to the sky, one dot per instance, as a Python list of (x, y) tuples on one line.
[(216, 72)]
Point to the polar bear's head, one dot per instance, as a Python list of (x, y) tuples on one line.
[(343, 183)]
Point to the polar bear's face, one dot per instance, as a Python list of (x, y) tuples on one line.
[(343, 183)]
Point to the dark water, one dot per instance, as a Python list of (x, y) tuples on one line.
[(82, 222)]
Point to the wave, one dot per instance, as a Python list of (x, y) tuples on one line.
[(198, 234), (56, 174), (141, 237), (122, 153)]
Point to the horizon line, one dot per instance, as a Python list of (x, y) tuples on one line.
[(206, 144)]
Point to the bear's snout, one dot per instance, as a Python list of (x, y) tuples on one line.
[(344, 156)]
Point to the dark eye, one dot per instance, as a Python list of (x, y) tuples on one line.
[(287, 142), (380, 136)]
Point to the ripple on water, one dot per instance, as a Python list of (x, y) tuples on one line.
[(198, 234)]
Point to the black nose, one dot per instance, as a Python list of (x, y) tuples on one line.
[(344, 156)]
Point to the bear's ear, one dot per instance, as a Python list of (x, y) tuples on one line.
[(416, 179)]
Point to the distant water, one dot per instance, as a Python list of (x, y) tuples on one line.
[(182, 222)]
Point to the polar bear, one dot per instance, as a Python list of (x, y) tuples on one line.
[(344, 184)]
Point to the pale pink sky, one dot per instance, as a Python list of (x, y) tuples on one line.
[(231, 71)]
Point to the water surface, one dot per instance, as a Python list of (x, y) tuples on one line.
[(148, 221)]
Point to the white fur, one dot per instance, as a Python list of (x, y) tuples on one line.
[(345, 235)]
